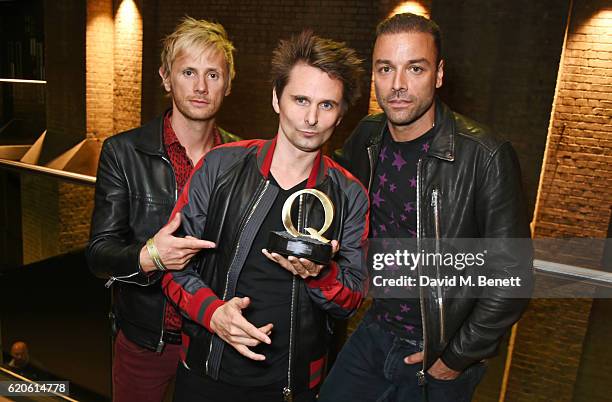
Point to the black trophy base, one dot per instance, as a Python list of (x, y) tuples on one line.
[(302, 247)]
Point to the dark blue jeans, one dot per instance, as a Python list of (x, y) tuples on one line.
[(371, 368)]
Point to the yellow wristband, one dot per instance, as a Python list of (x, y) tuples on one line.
[(154, 254)]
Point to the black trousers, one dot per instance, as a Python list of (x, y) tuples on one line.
[(191, 387)]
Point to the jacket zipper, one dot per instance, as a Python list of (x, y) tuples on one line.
[(287, 391), (436, 206), (371, 159), (259, 197), (421, 373), (160, 344)]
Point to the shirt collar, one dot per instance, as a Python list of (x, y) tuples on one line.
[(170, 137)]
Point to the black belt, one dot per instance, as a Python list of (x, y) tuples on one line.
[(172, 337)]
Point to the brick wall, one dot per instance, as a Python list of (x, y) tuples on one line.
[(74, 215), (42, 200), (573, 201), (127, 65), (501, 65), (99, 49), (114, 66), (39, 220), (576, 183), (94, 95)]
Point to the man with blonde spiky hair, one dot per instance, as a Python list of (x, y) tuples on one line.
[(140, 174)]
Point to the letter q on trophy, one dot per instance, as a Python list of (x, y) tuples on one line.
[(310, 245)]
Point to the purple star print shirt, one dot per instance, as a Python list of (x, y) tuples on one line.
[(393, 215)]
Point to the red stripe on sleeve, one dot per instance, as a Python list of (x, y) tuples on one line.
[(328, 279), (209, 313), (334, 291), (191, 303), (316, 372)]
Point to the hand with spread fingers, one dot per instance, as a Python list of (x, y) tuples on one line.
[(230, 325), (300, 266)]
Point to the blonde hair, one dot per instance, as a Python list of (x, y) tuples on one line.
[(192, 33)]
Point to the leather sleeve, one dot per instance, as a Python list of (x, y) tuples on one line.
[(110, 253), (501, 214), (185, 288), (340, 287)]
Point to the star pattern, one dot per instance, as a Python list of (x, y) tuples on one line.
[(398, 161), (383, 179), (393, 216), (408, 206), (383, 154), (377, 199)]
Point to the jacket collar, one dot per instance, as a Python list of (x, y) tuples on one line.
[(264, 163), (443, 144), (150, 137)]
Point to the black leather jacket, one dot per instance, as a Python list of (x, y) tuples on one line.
[(135, 194), (226, 201), (468, 186)]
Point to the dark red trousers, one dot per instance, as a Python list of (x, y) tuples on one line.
[(141, 375)]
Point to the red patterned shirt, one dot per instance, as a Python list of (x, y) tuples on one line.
[(182, 166)]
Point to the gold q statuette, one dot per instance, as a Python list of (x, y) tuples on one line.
[(328, 209)]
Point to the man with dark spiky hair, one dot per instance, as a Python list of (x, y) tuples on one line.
[(432, 175), (257, 327)]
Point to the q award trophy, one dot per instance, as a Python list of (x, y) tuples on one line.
[(311, 245)]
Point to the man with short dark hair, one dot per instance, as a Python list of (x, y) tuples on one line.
[(140, 174), (432, 174), (258, 326)]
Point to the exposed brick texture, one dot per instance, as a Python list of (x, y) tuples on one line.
[(501, 65), (43, 201), (74, 215), (573, 201), (576, 186), (547, 354), (127, 65), (105, 100), (39, 208), (100, 68)]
